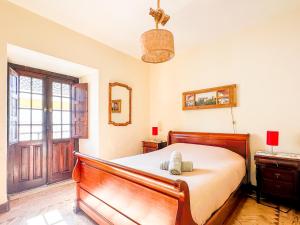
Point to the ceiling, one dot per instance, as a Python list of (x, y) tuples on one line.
[(119, 23)]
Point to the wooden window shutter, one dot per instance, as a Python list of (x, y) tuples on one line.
[(80, 110), (13, 106)]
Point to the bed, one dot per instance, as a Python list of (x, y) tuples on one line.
[(126, 191)]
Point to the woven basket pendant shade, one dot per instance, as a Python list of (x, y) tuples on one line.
[(157, 44)]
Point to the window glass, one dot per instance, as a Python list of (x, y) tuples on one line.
[(25, 100), (65, 103), (30, 108), (37, 101), (56, 103), (66, 90), (37, 116), (25, 84), (56, 89), (66, 117), (56, 131), (37, 132), (37, 86), (56, 117), (24, 116), (61, 115)]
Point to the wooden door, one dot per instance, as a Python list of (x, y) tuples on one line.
[(40, 125), (60, 142), (27, 151)]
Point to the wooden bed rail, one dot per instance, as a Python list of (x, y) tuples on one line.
[(114, 194)]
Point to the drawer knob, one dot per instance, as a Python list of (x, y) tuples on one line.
[(277, 175)]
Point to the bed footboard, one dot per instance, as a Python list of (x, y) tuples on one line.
[(113, 194)]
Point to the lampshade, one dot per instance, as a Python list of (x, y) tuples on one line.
[(157, 46), (154, 131), (272, 138)]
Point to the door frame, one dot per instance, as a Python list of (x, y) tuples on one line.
[(46, 76)]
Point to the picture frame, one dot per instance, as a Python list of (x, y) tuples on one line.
[(217, 97), (116, 106)]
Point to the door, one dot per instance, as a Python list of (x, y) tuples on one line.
[(27, 151), (60, 142), (40, 126)]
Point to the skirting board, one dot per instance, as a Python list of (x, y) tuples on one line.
[(4, 207)]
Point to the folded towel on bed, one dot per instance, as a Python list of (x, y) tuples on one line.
[(186, 166), (175, 163)]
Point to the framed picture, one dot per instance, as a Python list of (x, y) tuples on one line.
[(208, 98), (217, 97), (116, 106), (190, 100)]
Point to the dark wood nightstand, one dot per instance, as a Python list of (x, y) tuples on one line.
[(150, 146), (278, 176)]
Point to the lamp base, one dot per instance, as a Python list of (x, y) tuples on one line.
[(272, 151)]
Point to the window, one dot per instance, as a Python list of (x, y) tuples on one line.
[(61, 110), (30, 109), (41, 104)]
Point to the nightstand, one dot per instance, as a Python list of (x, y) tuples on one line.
[(150, 146), (278, 175)]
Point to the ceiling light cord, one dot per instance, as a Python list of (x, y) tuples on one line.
[(156, 19), (233, 121)]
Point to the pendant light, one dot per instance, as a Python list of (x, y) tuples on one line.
[(157, 44)]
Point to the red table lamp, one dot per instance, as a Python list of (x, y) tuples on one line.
[(272, 139), (154, 132)]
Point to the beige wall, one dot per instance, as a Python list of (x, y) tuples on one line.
[(27, 30), (263, 61), (91, 145)]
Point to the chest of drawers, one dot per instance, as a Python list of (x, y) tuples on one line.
[(278, 177)]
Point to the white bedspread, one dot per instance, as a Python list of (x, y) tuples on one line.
[(217, 173)]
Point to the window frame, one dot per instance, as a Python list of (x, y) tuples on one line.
[(46, 76)]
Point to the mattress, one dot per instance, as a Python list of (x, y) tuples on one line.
[(216, 175)]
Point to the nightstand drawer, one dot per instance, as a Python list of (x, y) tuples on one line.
[(150, 144), (278, 188), (147, 149), (277, 174), (277, 163)]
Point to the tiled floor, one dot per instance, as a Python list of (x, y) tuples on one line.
[(55, 207), (51, 207), (251, 213)]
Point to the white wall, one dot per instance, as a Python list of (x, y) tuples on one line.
[(25, 29), (263, 61), (91, 146)]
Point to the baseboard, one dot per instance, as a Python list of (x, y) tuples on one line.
[(4, 207)]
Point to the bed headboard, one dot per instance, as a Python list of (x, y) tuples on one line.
[(238, 143)]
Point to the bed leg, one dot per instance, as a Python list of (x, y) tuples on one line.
[(76, 178), (76, 208)]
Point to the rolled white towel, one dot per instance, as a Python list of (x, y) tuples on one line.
[(186, 166), (175, 163)]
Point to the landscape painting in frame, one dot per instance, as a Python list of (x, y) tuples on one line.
[(217, 97), (209, 98), (190, 100)]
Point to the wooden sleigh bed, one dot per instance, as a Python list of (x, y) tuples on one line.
[(104, 189)]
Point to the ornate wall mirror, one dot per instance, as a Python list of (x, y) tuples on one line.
[(119, 107)]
